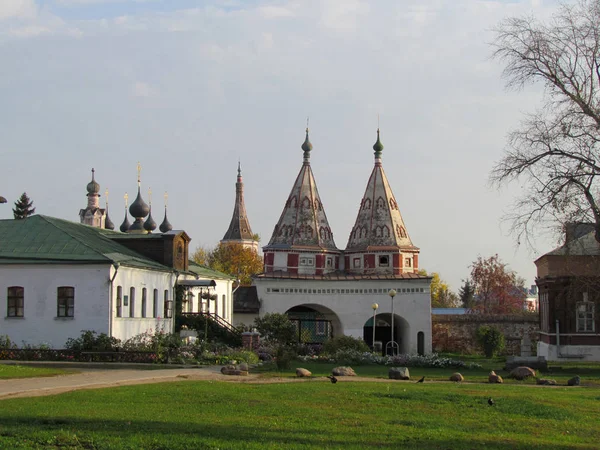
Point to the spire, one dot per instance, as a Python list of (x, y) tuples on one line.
[(125, 225), (107, 222), (239, 230), (379, 222), (165, 225), (303, 221)]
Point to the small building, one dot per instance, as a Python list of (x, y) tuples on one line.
[(569, 291)]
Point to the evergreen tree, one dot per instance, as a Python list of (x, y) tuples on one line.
[(467, 295), (23, 207)]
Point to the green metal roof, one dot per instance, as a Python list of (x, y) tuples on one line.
[(207, 273), (42, 240)]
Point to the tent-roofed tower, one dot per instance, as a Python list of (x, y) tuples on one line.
[(302, 241), (379, 242), (239, 231)]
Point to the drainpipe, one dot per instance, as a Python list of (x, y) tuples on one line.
[(558, 339), (239, 283), (111, 302)]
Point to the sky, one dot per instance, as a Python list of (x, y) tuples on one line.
[(187, 88)]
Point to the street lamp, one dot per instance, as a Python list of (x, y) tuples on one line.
[(392, 345), (374, 306)]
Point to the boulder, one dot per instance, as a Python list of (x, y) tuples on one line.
[(522, 372), (575, 381), (545, 382), (300, 372), (233, 370), (493, 378), (343, 372), (456, 377), (228, 368), (398, 373), (243, 366)]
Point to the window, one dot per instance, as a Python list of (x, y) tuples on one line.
[(15, 301), (155, 303), (65, 301), (585, 315), (119, 301), (144, 302), (408, 262), (329, 262), (384, 261), (168, 305), (132, 302), (307, 261), (356, 262)]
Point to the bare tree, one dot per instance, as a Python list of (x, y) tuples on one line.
[(555, 153)]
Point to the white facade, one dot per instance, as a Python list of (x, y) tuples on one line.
[(95, 301), (222, 305), (351, 310), (569, 352)]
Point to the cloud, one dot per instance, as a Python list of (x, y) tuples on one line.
[(343, 15), (17, 9), (275, 12), (142, 89)]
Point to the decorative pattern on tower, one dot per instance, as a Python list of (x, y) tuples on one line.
[(379, 227), (239, 231), (303, 221)]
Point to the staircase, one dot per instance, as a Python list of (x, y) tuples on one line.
[(211, 325)]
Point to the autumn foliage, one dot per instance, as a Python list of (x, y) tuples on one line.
[(498, 290), (233, 259)]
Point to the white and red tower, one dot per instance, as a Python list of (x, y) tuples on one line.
[(302, 241), (379, 242)]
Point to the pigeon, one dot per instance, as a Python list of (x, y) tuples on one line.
[(422, 379), (332, 378), (491, 401)]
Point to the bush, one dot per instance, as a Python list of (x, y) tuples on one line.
[(333, 345), (276, 328), (6, 343), (91, 341), (491, 340)]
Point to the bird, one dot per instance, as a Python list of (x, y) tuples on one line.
[(422, 379), (491, 401), (332, 378)]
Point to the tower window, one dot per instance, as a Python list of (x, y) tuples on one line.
[(408, 262), (384, 261)]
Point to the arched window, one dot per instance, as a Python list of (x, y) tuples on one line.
[(132, 302), (144, 300), (119, 301), (306, 203), (367, 203), (155, 303), (385, 231), (380, 203)]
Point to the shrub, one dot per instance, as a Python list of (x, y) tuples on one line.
[(491, 340), (276, 328), (333, 345), (91, 341), (6, 343)]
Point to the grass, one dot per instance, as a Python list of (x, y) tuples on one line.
[(561, 373), (303, 415), (14, 371)]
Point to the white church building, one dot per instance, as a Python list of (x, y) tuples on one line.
[(329, 292)]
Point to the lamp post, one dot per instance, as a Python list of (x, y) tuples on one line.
[(392, 345), (374, 306)]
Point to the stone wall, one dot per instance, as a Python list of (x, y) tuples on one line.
[(456, 333)]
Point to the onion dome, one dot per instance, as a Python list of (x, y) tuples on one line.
[(107, 222), (93, 188), (378, 146), (125, 225), (307, 146), (150, 224), (165, 225), (139, 208)]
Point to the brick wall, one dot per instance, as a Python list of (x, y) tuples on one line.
[(456, 333)]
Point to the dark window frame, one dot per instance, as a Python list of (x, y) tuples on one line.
[(65, 301), (15, 301)]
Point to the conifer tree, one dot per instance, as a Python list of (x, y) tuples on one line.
[(467, 295), (23, 207)]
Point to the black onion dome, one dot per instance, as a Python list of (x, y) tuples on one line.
[(108, 223), (165, 225), (307, 146), (150, 224), (378, 146), (93, 187), (139, 208), (125, 225)]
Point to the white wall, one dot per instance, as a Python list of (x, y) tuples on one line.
[(126, 327), (40, 323), (588, 352), (223, 305), (351, 310)]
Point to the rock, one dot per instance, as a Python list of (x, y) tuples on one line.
[(228, 368), (522, 372), (575, 381), (399, 373), (243, 366), (300, 372), (456, 377), (545, 382), (493, 378), (238, 372), (343, 372)]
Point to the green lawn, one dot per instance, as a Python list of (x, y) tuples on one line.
[(308, 414), (561, 372), (13, 371)]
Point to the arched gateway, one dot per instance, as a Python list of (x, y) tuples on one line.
[(383, 332), (314, 323)]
